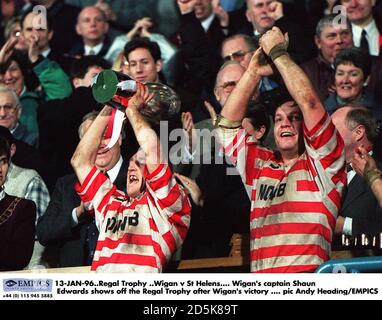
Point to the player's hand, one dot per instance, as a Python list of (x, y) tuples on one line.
[(259, 65), (273, 38), (140, 98)]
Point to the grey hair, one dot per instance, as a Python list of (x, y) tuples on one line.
[(360, 115), (4, 89), (225, 64), (89, 116), (329, 20)]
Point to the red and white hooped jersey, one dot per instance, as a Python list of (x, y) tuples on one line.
[(293, 210), (139, 235)]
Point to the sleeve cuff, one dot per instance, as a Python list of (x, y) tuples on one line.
[(74, 218), (348, 226), (148, 176)]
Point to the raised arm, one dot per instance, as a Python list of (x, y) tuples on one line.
[(85, 155), (235, 108), (274, 44), (146, 136)]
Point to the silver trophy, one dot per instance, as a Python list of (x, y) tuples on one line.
[(114, 88)]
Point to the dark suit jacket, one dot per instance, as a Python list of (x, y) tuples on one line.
[(215, 35), (79, 48), (66, 244), (17, 233), (361, 205)]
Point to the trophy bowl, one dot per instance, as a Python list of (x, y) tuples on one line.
[(110, 86)]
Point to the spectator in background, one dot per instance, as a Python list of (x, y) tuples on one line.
[(144, 59), (352, 67), (264, 14), (92, 27), (366, 167), (13, 29), (142, 29), (10, 111), (360, 211), (16, 71), (63, 19), (330, 39), (123, 14), (18, 216), (40, 36), (367, 31)]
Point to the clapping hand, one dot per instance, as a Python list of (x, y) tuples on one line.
[(188, 127)]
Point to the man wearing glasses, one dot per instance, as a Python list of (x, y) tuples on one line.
[(10, 112)]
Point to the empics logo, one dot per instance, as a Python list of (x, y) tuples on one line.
[(27, 285), (10, 283)]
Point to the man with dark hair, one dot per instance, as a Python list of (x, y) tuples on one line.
[(83, 70), (17, 221), (360, 211), (144, 59), (296, 191), (62, 18), (31, 30)]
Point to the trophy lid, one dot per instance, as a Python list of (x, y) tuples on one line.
[(105, 86)]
